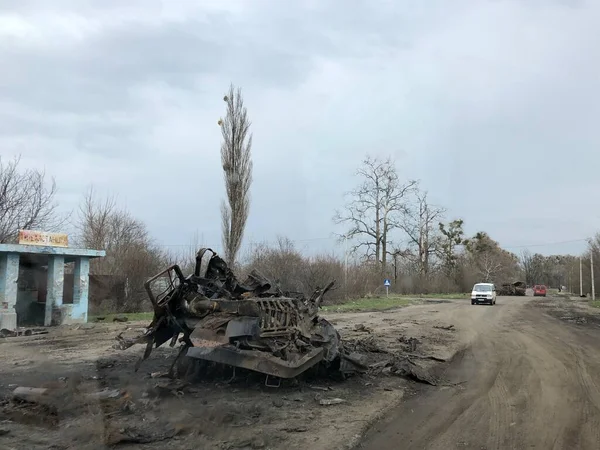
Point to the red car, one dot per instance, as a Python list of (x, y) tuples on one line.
[(539, 290)]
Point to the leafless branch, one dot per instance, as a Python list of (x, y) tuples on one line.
[(131, 255), (419, 223), (27, 201), (373, 211)]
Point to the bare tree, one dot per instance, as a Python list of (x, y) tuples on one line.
[(237, 168), (527, 260), (452, 235), (320, 270), (27, 201), (489, 266), (131, 256), (540, 269), (398, 255), (489, 260), (94, 222), (375, 208), (282, 263), (418, 223)]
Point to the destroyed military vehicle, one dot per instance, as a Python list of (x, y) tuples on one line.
[(517, 288), (251, 325)]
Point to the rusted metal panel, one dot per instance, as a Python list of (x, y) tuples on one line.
[(257, 361)]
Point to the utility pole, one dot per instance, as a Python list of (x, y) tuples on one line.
[(580, 278), (592, 273)]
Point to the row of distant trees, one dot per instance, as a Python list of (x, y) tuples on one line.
[(414, 246), (388, 226), (395, 229)]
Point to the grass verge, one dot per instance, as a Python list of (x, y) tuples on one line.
[(370, 304), (595, 304), (454, 296), (393, 301), (362, 304)]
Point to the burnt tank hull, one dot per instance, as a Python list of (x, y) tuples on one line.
[(251, 325)]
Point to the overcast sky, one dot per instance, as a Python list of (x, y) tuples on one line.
[(493, 105)]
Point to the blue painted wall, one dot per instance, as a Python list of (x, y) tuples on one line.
[(26, 303)]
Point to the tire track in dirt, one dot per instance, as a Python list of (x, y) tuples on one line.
[(591, 410), (457, 414), (573, 379), (553, 401), (502, 417)]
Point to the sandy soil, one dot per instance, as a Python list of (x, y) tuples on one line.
[(532, 372), (75, 362)]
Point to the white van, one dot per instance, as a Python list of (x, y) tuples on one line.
[(483, 293)]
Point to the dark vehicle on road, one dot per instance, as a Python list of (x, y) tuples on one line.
[(517, 288)]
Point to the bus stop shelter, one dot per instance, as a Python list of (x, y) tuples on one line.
[(20, 304)]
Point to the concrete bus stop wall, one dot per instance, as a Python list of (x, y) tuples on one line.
[(56, 311)]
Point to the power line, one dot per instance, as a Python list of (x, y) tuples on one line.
[(546, 244)]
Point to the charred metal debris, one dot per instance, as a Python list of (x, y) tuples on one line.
[(518, 288), (251, 325)]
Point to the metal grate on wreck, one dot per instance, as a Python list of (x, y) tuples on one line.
[(279, 316)]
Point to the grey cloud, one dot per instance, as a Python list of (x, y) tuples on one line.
[(32, 6), (447, 86), (98, 77), (274, 48)]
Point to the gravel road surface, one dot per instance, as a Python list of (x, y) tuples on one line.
[(529, 378)]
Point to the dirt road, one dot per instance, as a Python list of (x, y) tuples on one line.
[(531, 373), (521, 374), (151, 412)]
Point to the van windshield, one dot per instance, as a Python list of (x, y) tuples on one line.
[(482, 288)]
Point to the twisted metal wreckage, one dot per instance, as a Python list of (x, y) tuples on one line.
[(251, 325)]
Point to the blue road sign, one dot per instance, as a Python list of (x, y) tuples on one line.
[(386, 282)]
